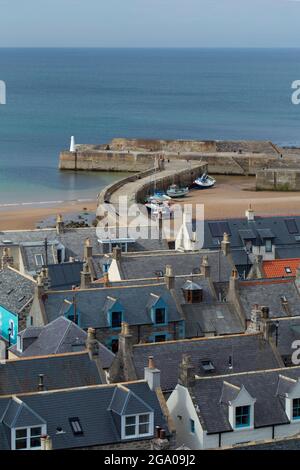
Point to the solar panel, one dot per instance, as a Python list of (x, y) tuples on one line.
[(224, 228), (291, 226), (215, 229)]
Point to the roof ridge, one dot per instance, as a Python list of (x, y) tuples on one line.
[(231, 385), (287, 378)]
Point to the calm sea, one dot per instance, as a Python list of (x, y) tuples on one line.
[(98, 94)]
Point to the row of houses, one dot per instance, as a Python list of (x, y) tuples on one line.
[(122, 343)]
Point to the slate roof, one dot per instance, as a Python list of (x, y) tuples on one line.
[(208, 316), (217, 318), (90, 304), (288, 332), (59, 336), (146, 240), (91, 406), (60, 371), (154, 264), (73, 238), (281, 267), (270, 293), (238, 227), (16, 290), (65, 275), (248, 352), (269, 408)]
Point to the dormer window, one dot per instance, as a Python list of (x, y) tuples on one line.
[(116, 319), (296, 408), (268, 246), (137, 426), (28, 438), (248, 246), (242, 416)]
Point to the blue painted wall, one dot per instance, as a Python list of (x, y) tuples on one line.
[(8, 320)]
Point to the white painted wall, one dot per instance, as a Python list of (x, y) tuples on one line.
[(180, 404), (113, 272)]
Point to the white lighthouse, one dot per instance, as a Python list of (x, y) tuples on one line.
[(72, 145)]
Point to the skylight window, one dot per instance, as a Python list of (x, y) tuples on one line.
[(288, 270), (291, 226), (76, 426), (39, 260), (207, 366)]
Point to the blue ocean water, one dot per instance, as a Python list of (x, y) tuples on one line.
[(98, 94)]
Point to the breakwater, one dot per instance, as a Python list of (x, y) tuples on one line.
[(132, 155)]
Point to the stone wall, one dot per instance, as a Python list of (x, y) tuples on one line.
[(105, 161), (182, 178), (278, 180), (163, 145)]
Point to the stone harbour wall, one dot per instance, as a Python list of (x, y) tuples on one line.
[(278, 179)]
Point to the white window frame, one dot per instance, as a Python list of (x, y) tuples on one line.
[(28, 436), (137, 423)]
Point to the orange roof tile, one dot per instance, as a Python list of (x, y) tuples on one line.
[(281, 267)]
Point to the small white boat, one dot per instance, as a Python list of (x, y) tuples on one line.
[(175, 191), (159, 209), (205, 181), (158, 196)]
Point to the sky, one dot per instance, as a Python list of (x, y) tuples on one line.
[(149, 23)]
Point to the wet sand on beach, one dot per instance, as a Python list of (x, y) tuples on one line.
[(19, 218)]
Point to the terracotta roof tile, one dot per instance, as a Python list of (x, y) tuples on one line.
[(281, 267)]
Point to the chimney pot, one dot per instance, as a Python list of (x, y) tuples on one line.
[(151, 362), (162, 434), (106, 280), (250, 213), (125, 329), (157, 431)]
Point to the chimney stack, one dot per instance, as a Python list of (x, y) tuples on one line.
[(152, 375), (40, 289), (59, 224), (117, 253), (225, 244), (160, 442), (250, 213), (46, 443), (44, 274), (85, 276), (92, 344), (205, 268), (7, 259), (233, 281), (169, 277), (255, 320), (106, 279), (88, 249), (186, 372)]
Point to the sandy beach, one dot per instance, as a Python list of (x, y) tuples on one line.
[(229, 198), (232, 195), (22, 217)]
